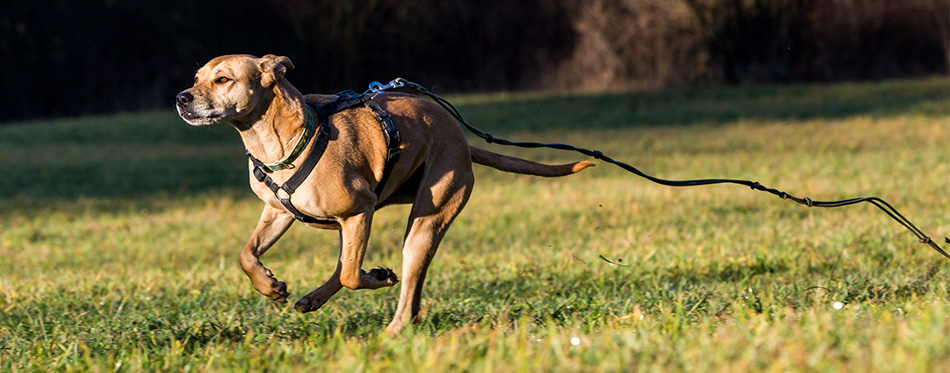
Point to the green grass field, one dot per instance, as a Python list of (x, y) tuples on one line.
[(119, 239)]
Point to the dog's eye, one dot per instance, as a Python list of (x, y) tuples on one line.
[(222, 80)]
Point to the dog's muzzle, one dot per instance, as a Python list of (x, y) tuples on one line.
[(195, 116)]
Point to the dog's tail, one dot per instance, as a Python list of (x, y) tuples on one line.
[(523, 166)]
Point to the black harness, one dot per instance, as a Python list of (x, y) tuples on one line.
[(344, 101)]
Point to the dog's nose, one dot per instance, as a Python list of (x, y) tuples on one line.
[(184, 98)]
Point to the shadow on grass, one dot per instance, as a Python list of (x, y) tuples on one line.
[(118, 157), (96, 179), (717, 105), (134, 156)]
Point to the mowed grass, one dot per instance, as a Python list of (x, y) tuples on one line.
[(119, 239)]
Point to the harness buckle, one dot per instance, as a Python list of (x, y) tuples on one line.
[(259, 174)]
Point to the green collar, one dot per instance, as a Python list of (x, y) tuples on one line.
[(305, 137)]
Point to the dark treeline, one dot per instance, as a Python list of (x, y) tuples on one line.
[(64, 57)]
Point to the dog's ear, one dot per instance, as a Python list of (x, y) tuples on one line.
[(273, 69)]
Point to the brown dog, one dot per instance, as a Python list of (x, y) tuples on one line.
[(433, 172)]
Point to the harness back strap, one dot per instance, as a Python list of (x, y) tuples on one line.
[(391, 133)]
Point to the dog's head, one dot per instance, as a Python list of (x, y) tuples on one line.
[(230, 87)]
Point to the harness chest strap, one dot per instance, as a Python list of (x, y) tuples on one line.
[(346, 100)]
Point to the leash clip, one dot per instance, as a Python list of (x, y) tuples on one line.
[(376, 87)]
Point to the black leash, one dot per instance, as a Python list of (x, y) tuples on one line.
[(877, 202)]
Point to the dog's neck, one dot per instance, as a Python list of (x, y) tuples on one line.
[(271, 133)]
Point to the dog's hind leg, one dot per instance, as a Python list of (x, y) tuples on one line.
[(440, 198), (319, 296), (272, 225), (349, 273), (355, 235)]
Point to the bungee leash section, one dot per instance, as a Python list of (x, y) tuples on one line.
[(375, 88)]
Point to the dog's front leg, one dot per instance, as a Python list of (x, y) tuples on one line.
[(272, 225)]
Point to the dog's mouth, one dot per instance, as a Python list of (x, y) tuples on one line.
[(199, 119)]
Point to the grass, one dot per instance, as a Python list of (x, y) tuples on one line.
[(119, 237)]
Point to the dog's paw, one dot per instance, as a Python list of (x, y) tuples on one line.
[(306, 304), (384, 275), (278, 292)]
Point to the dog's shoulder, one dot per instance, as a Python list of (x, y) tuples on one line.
[(319, 99)]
